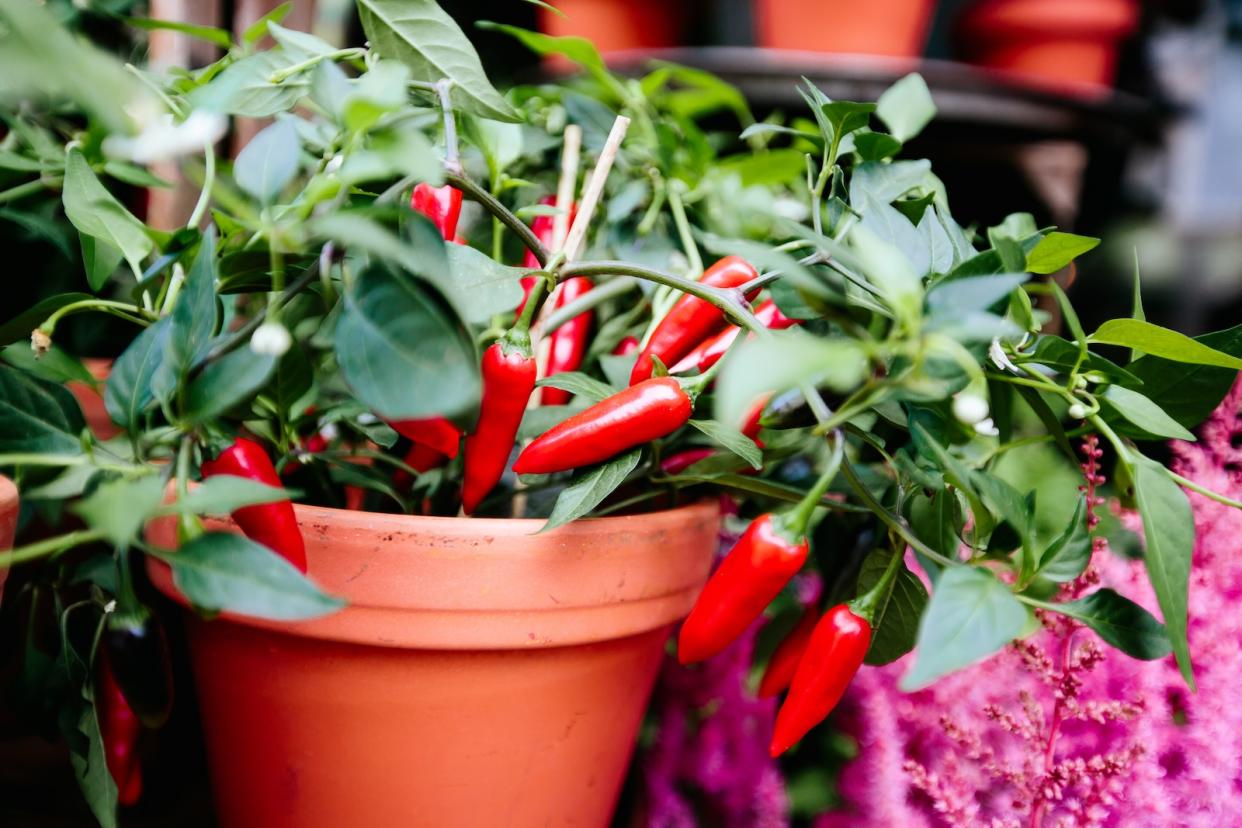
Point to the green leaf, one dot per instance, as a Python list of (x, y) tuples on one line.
[(577, 49), (244, 87), (119, 508), (268, 163), (211, 34), (937, 521), (380, 91), (37, 416), (580, 384), (223, 572), (895, 276), (255, 31), (1056, 250), (906, 107), (477, 285), (20, 326), (1055, 352), (99, 216), (223, 384), (1169, 529), (776, 129), (225, 493), (896, 622), (974, 292), (971, 615), (1187, 393), (886, 182), (846, 117), (584, 494), (133, 174), (732, 439), (780, 362), (128, 390), (54, 366), (1120, 622), (1162, 342), (1144, 413), (304, 44), (1068, 555), (423, 37), (874, 146), (192, 320), (91, 770), (401, 352)]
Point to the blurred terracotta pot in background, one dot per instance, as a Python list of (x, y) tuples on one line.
[(481, 674), (1069, 44), (617, 25), (896, 28), (91, 400)]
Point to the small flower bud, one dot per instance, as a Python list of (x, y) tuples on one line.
[(271, 338), (987, 428), (40, 341), (969, 408), (1077, 411)]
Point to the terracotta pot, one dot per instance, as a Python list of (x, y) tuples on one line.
[(8, 521), (93, 408), (481, 674), (897, 28), (617, 25), (1069, 44)]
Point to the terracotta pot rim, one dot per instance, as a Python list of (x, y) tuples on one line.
[(489, 583)]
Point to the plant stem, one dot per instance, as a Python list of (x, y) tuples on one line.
[(121, 309), (799, 519), (1206, 492), (889, 520), (592, 298), (21, 190), (730, 301), (452, 161), (282, 75), (209, 180), (877, 597), (49, 546), (678, 209), (489, 203), (242, 335)]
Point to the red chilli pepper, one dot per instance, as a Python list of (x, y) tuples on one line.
[(508, 381), (272, 524), (434, 432), (626, 346), (751, 575), (119, 726), (440, 204), (543, 227), (691, 319), (629, 418), (568, 342), (750, 426), (833, 655), (708, 352), (682, 460), (785, 658)]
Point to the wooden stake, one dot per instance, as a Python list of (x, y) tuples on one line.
[(595, 187)]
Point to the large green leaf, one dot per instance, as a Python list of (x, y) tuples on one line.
[(1169, 530), (221, 571), (906, 107), (478, 285), (269, 161), (192, 320), (971, 616), (1068, 555), (403, 353), (1162, 342), (1056, 250), (103, 220), (222, 494), (732, 439), (1189, 393), (420, 34), (128, 391), (1120, 622), (37, 416), (1142, 412), (244, 87), (119, 508), (226, 382), (584, 494), (896, 622)]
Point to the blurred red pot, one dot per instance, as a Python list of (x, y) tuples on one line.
[(1068, 44), (617, 25), (896, 28)]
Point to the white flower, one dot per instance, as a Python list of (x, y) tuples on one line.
[(1077, 411), (987, 428), (969, 408), (329, 432), (271, 338), (1001, 359), (161, 138)]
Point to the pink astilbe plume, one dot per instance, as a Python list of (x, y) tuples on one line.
[(1055, 728)]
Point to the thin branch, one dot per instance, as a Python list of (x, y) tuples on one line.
[(592, 298), (489, 203)]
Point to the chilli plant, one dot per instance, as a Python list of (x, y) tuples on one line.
[(789, 316)]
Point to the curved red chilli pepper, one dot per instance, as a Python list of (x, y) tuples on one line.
[(833, 655), (784, 661), (440, 204), (119, 726), (272, 524), (568, 342), (682, 460), (751, 575), (434, 432), (750, 426), (543, 227), (629, 418), (708, 352), (508, 381), (691, 319), (626, 346)]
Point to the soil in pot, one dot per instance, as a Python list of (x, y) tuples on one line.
[(896, 28), (481, 674)]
